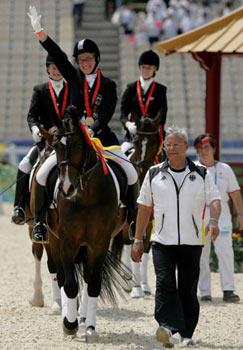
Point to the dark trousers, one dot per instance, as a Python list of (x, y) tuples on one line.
[(176, 303)]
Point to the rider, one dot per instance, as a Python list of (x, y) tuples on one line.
[(143, 98), (49, 100), (95, 98)]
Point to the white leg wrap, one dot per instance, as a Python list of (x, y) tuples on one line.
[(126, 256), (84, 302), (56, 293), (69, 307), (91, 312), (136, 272), (144, 268)]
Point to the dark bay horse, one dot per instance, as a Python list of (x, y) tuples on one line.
[(146, 151), (87, 216)]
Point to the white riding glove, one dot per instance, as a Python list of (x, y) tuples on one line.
[(131, 126), (90, 132), (36, 134), (34, 19)]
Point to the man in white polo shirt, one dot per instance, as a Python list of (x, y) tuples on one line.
[(178, 191)]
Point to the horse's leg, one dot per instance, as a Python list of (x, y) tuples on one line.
[(136, 289), (144, 274), (126, 259), (38, 298), (92, 275), (91, 335), (69, 291), (144, 263), (82, 311), (94, 287), (56, 293)]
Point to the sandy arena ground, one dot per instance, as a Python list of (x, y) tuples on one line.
[(129, 326)]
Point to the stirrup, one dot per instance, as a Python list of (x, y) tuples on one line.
[(39, 233)]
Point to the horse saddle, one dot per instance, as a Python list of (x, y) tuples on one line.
[(121, 178)]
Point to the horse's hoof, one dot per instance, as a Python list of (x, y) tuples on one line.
[(69, 328), (37, 302), (55, 309), (146, 289), (136, 293), (82, 322), (91, 335)]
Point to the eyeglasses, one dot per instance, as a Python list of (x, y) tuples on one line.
[(175, 145)]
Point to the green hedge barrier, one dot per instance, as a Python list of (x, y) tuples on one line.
[(7, 177)]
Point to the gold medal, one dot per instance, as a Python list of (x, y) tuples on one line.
[(89, 121)]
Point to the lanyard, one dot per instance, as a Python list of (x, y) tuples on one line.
[(144, 109), (54, 100), (88, 107)]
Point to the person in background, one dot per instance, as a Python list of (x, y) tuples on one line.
[(143, 97), (226, 182), (78, 9), (48, 103), (177, 191), (94, 97)]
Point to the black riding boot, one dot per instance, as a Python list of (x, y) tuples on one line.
[(131, 203), (39, 234), (22, 181)]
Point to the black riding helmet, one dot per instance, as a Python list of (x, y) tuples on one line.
[(49, 60), (149, 57), (86, 45)]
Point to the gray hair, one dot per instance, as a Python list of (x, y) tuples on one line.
[(179, 132)]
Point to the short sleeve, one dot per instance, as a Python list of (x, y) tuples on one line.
[(232, 181), (145, 195)]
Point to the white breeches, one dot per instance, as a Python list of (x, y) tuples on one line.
[(45, 169), (25, 164), (126, 165), (121, 159), (225, 255), (125, 146)]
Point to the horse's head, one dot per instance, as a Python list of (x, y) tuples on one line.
[(71, 151), (146, 143)]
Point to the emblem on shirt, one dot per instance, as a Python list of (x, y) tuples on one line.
[(163, 177), (192, 177)]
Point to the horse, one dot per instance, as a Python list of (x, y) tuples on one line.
[(145, 152), (37, 299), (88, 214)]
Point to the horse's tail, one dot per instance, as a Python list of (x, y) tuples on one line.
[(117, 244), (116, 278)]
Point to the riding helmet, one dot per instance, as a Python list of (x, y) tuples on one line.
[(49, 60), (86, 45), (149, 57)]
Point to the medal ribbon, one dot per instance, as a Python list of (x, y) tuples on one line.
[(86, 94), (144, 109), (54, 100)]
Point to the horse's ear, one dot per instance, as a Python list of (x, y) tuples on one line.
[(46, 134)]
